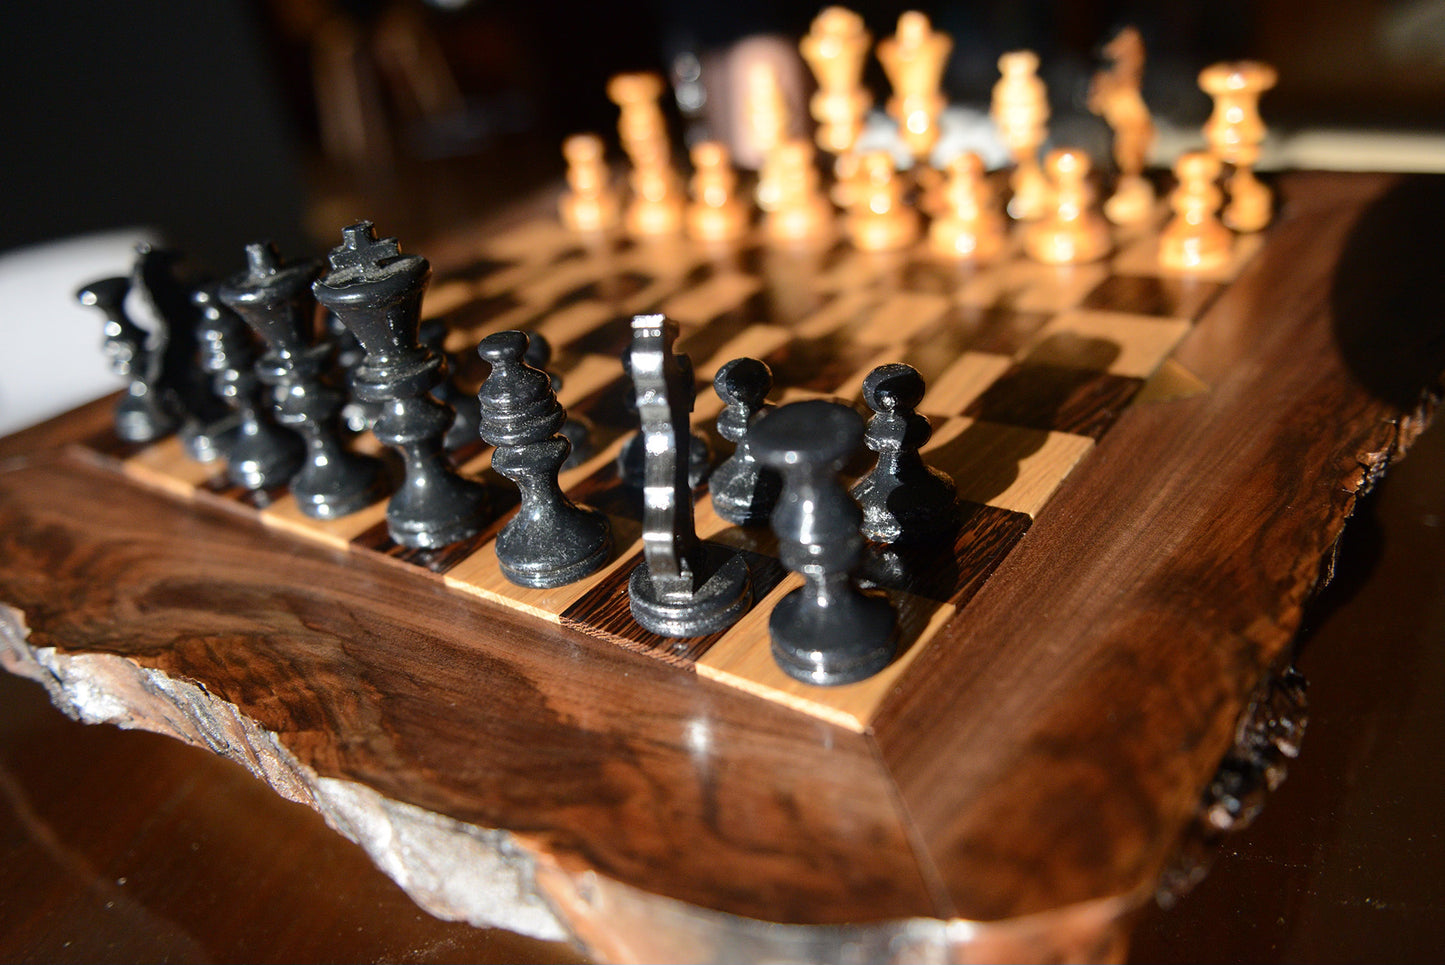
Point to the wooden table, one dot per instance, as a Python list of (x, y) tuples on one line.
[(1022, 802)]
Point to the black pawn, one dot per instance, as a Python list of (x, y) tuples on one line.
[(275, 300), (143, 413), (551, 541), (826, 631), (684, 587), (903, 500), (376, 292), (577, 431), (743, 490), (467, 420), (632, 460), (263, 455)]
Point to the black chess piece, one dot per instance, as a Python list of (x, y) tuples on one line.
[(743, 490), (577, 430), (275, 300), (827, 631), (264, 455), (208, 426), (467, 416), (356, 416), (551, 541), (142, 413), (632, 460), (376, 292), (903, 500), (684, 587)]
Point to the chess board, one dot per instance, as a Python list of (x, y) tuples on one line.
[(1156, 470), (1027, 366)]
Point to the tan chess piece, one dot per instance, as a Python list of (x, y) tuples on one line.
[(1072, 232), (914, 59), (835, 49), (1115, 95), (765, 111), (1234, 132), (657, 203), (591, 206), (802, 215), (1195, 239), (1020, 109), (716, 214), (971, 225), (879, 220)]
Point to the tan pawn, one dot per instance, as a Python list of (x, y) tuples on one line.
[(914, 59), (1116, 95), (802, 215), (971, 227), (591, 207), (715, 214), (1020, 109), (1234, 132), (835, 49), (879, 220), (1073, 232), (1195, 239)]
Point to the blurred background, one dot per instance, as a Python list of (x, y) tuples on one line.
[(223, 122), (210, 125)]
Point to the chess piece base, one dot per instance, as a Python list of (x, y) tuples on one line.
[(1250, 204), (1186, 250), (849, 640), (952, 238), (650, 219), (341, 489), (1067, 244), (1132, 201), (453, 509), (557, 552), (264, 457), (723, 596), (887, 232)]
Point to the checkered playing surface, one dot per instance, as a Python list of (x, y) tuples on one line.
[(1027, 367)]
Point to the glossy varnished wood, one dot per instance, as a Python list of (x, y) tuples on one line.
[(1049, 750), (1109, 658)]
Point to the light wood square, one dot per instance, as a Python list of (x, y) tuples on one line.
[(1130, 345), (1010, 467)]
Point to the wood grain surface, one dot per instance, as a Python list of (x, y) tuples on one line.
[(1053, 749)]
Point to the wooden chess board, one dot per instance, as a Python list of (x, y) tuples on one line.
[(1028, 365), (1153, 466)]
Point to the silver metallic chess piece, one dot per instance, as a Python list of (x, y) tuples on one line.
[(684, 587), (551, 541), (827, 631), (376, 292)]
